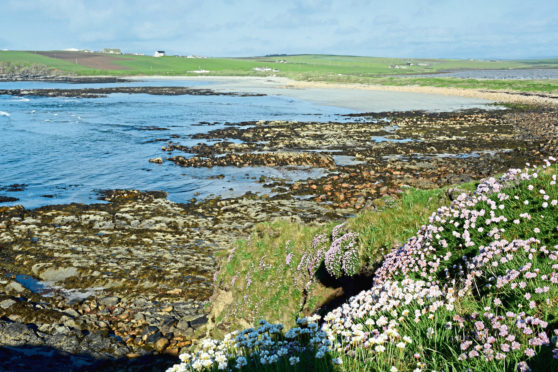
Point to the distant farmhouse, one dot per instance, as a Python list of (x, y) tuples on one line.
[(112, 51), (159, 53)]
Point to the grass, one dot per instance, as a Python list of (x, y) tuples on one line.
[(263, 282), (266, 287), (30, 58), (328, 68), (476, 288)]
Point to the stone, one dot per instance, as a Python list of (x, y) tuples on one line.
[(183, 325), (161, 344), (53, 274), (198, 322), (71, 312), (156, 160), (13, 334), (15, 287), (66, 342), (109, 301), (6, 304), (154, 338)]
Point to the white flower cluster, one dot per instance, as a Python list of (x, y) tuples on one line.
[(264, 345), (408, 294)]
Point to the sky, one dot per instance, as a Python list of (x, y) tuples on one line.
[(505, 29)]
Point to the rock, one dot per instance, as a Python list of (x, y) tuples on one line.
[(149, 331), (71, 312), (154, 338), (198, 322), (13, 334), (161, 344), (69, 322), (174, 351), (183, 325), (66, 342), (58, 274), (15, 287), (6, 304), (109, 301), (156, 160)]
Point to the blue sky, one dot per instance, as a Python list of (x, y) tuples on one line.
[(397, 28)]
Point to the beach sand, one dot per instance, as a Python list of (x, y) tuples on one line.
[(369, 98)]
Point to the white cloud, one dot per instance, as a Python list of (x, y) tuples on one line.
[(448, 28)]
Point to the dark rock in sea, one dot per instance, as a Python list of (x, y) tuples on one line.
[(103, 92), (7, 199), (16, 187), (156, 160)]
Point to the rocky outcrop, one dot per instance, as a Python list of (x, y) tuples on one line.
[(103, 92)]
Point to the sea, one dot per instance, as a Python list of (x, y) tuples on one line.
[(57, 150)]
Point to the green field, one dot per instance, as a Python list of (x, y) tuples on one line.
[(328, 68)]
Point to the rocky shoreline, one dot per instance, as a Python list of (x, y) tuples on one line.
[(119, 281), (132, 279), (103, 92), (376, 154)]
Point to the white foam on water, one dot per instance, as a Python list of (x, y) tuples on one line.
[(4, 113)]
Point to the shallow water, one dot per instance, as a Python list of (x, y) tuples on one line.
[(66, 149), (63, 150)]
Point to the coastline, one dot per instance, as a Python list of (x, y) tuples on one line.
[(165, 316), (360, 97), (305, 90), (496, 96)]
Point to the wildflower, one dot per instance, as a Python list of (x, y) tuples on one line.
[(288, 259), (294, 360)]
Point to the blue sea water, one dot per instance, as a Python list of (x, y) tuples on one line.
[(64, 150)]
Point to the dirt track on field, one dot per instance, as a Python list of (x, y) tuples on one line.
[(99, 61)]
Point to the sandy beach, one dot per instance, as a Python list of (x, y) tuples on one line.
[(370, 98)]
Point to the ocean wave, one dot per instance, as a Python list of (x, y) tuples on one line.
[(4, 113)]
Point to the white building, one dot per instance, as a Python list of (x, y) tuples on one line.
[(159, 53)]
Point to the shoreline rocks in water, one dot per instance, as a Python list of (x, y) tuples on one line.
[(379, 153), (103, 92), (255, 160)]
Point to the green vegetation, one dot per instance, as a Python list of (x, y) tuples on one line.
[(29, 58), (327, 68), (476, 288), (263, 285)]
